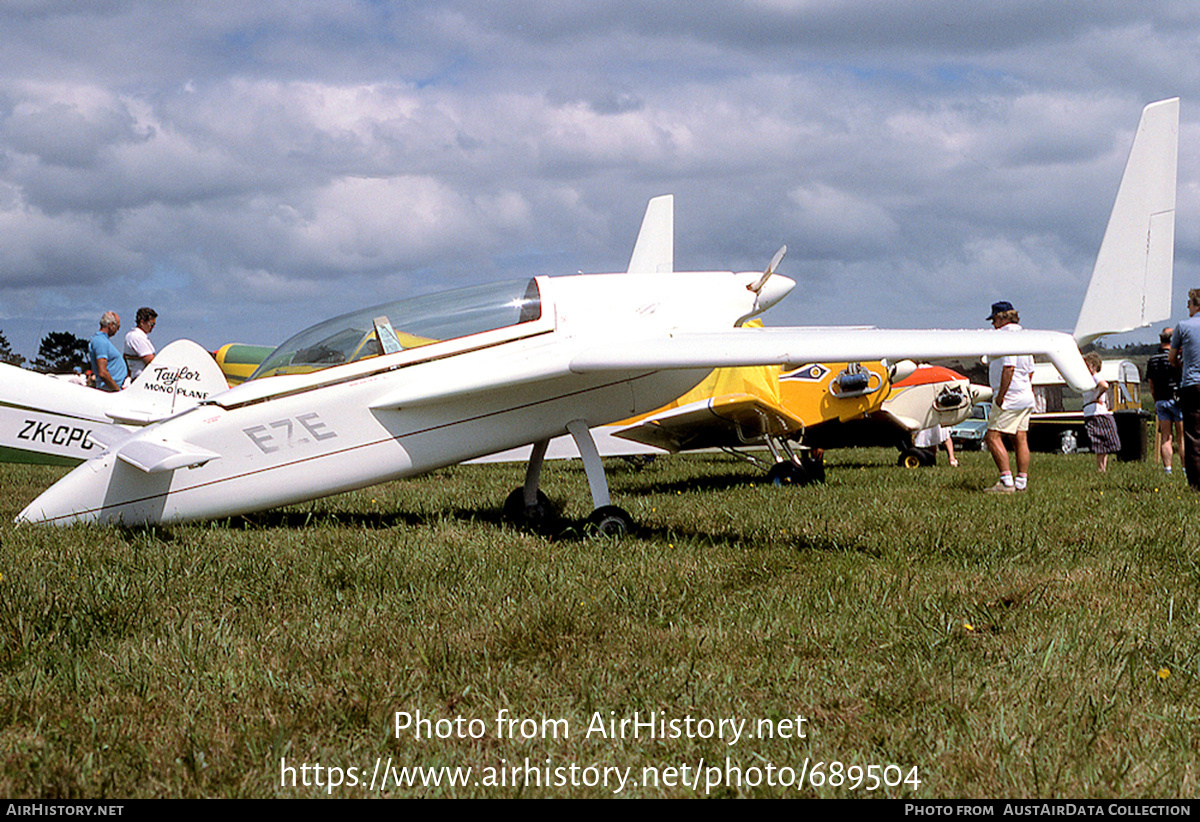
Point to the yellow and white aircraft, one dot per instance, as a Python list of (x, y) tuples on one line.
[(238, 361), (766, 406)]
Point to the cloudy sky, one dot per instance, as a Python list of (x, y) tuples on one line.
[(250, 168)]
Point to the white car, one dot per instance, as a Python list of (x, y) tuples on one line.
[(969, 433)]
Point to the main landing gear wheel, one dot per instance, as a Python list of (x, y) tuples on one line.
[(790, 473), (916, 458), (609, 521), (540, 513)]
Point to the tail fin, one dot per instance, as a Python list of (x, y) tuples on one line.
[(1131, 283), (181, 376), (654, 251)]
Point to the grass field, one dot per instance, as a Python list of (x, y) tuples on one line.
[(1039, 645)]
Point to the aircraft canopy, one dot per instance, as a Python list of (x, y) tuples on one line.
[(417, 321)]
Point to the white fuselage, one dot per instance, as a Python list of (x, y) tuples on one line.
[(43, 419)]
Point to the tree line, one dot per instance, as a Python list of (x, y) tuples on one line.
[(59, 353)]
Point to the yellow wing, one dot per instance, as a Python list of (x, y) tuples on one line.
[(729, 420)]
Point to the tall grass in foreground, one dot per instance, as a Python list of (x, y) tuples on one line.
[(1037, 645)]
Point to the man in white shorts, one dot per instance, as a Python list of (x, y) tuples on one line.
[(1011, 379)]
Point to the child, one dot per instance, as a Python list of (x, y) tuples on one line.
[(931, 438), (1101, 425)]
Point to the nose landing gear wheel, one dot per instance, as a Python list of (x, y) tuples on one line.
[(814, 468)]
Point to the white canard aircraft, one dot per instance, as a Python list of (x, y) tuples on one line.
[(361, 399), (47, 420)]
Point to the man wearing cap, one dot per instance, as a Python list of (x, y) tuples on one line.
[(1011, 379)]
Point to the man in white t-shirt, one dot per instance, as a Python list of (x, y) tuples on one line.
[(139, 351), (1011, 379)]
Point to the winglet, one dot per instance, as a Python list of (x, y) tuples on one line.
[(654, 251), (1069, 363), (1131, 282)]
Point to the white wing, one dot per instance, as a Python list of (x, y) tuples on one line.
[(796, 346)]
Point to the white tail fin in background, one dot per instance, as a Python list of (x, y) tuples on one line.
[(1131, 283), (181, 376), (654, 251)]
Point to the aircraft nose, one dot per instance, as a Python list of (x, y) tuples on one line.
[(74, 498), (45, 508)]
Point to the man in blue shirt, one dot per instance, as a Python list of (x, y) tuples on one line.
[(1185, 355), (107, 363)]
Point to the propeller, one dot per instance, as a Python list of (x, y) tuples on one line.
[(761, 281)]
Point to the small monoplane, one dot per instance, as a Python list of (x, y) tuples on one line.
[(52, 421)]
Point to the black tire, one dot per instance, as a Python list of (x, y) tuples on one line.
[(518, 513), (609, 521), (787, 473), (911, 458)]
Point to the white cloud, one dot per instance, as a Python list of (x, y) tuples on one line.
[(839, 224)]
